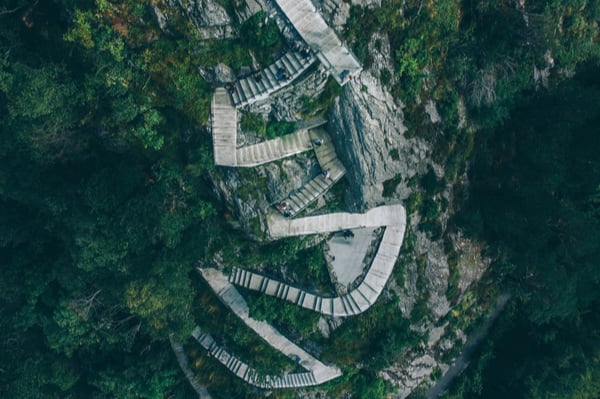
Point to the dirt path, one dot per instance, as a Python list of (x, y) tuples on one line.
[(465, 357)]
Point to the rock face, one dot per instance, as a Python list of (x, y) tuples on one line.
[(335, 12), (208, 16), (368, 130), (218, 75)]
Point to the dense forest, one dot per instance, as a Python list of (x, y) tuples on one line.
[(106, 207), (535, 195)]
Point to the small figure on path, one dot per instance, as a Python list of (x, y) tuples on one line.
[(230, 87), (257, 76), (345, 75), (317, 142), (283, 206), (326, 174), (348, 234), (305, 53), (287, 213), (282, 74)]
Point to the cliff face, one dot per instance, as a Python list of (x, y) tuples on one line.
[(381, 156), (368, 129)]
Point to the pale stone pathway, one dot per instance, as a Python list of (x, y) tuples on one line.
[(258, 86), (386, 215), (247, 373), (224, 132), (321, 38), (236, 303), (182, 359), (353, 303)]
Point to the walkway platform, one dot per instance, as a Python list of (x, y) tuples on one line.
[(353, 303), (247, 373), (224, 128), (321, 38), (387, 215), (258, 87), (236, 303)]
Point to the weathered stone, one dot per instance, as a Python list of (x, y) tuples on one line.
[(208, 16), (161, 17), (368, 130), (432, 111), (218, 75), (367, 3), (323, 327), (335, 12), (251, 7)]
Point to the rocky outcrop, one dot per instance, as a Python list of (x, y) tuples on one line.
[(251, 192), (249, 8), (210, 19), (335, 12), (218, 75), (368, 130)]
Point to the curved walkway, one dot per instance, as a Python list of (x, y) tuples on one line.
[(357, 300), (247, 373), (230, 296)]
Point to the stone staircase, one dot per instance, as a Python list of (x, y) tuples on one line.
[(258, 86), (272, 150), (354, 302), (310, 192), (313, 29)]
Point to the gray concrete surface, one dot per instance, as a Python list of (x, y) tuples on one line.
[(311, 26), (349, 253)]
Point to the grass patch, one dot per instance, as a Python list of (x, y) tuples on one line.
[(255, 123), (277, 129), (389, 186)]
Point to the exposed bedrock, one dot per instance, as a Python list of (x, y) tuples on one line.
[(368, 130)]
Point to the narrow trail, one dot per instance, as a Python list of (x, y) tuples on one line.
[(465, 357)]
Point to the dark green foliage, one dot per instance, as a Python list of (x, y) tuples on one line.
[(388, 334), (261, 35), (277, 129), (389, 186), (253, 123), (535, 185), (289, 318), (97, 236)]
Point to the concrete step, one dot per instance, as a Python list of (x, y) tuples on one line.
[(270, 76), (299, 61), (256, 87), (294, 202), (263, 285), (229, 362), (289, 66), (247, 90)]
